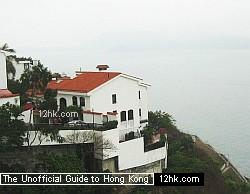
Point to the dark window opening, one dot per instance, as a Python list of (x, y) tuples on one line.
[(114, 99), (123, 116), (63, 103), (82, 101), (26, 66), (130, 115), (139, 112), (74, 100), (105, 118), (139, 94)]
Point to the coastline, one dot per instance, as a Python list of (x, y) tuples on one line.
[(221, 159)]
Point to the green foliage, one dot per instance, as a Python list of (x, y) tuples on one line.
[(160, 119), (110, 125), (11, 129), (73, 108), (69, 163), (163, 138), (37, 78), (185, 163), (9, 59), (49, 102), (16, 87), (11, 168), (48, 94), (147, 134), (238, 188), (182, 157)]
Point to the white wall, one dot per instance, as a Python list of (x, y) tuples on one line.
[(143, 102), (68, 96), (112, 138), (131, 154), (19, 70), (48, 141), (127, 96), (12, 100), (88, 118), (3, 74), (26, 116)]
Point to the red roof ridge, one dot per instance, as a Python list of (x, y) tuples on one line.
[(5, 93), (83, 82)]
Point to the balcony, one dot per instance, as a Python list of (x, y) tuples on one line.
[(144, 121), (154, 146), (83, 126)]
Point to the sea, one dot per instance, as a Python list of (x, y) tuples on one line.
[(208, 94)]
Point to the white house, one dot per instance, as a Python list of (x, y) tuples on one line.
[(20, 65), (5, 94), (105, 96)]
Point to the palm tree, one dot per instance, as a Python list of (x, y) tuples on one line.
[(9, 59), (36, 79)]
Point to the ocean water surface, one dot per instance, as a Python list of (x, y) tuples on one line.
[(208, 93)]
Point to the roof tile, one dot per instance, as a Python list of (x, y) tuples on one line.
[(84, 82)]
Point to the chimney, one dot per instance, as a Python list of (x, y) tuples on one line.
[(102, 67)]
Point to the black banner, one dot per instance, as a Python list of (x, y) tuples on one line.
[(179, 179)]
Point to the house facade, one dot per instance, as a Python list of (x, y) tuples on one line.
[(5, 94), (21, 64), (107, 96)]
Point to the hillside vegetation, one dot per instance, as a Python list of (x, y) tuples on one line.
[(185, 155)]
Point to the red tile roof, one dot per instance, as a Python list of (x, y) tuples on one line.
[(5, 93), (84, 82)]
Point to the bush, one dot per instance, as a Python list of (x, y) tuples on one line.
[(154, 146), (110, 125)]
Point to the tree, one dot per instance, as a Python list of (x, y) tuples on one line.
[(17, 87), (160, 119), (36, 79), (12, 129), (9, 59), (100, 144), (49, 102)]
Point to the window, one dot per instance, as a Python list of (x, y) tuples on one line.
[(139, 112), (26, 66), (63, 103), (130, 115), (139, 94), (74, 100), (105, 118), (82, 101), (113, 98), (123, 116)]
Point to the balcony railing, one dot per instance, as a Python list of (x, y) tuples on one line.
[(154, 146), (144, 121), (83, 126)]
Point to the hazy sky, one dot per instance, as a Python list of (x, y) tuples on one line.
[(65, 34), (195, 53)]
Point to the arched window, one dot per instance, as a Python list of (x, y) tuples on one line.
[(82, 101), (130, 115), (74, 100), (63, 103), (123, 116)]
